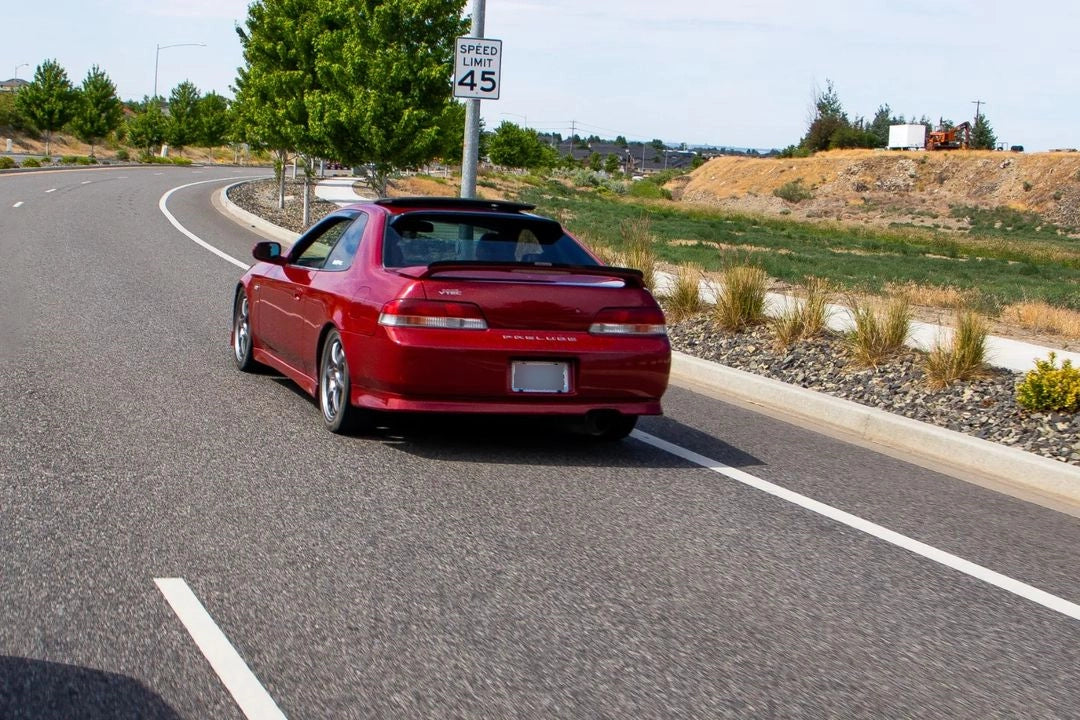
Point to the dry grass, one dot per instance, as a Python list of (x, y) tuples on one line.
[(933, 295), (803, 318), (964, 358), (684, 299), (1041, 317), (879, 332), (638, 240), (740, 301)]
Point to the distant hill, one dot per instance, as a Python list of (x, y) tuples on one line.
[(883, 188)]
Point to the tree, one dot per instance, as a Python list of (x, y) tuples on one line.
[(452, 134), (517, 147), (879, 126), (595, 161), (620, 141), (829, 118), (982, 135), (49, 101), (212, 120), (383, 88), (182, 128), (270, 109), (98, 111), (611, 164), (147, 128)]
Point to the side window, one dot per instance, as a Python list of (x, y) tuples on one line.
[(341, 257), (317, 249)]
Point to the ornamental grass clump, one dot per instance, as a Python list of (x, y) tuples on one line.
[(964, 357), (684, 298), (804, 318), (878, 334), (1049, 387), (638, 241), (740, 301)]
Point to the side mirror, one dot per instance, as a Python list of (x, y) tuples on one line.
[(269, 252)]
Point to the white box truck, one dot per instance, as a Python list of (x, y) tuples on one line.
[(907, 137)]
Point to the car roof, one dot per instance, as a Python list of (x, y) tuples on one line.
[(409, 204)]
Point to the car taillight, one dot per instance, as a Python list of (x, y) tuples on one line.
[(628, 321), (432, 314)]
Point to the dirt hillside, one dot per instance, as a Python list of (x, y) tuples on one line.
[(879, 187)]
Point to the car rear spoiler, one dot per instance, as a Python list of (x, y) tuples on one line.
[(632, 278)]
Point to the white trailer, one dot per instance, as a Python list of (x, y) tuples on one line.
[(907, 137)]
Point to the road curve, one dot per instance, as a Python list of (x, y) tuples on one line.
[(482, 569)]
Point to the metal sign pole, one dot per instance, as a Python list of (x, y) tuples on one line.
[(472, 118)]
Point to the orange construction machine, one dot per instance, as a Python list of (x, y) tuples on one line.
[(953, 138)]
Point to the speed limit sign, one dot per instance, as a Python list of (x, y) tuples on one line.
[(476, 68)]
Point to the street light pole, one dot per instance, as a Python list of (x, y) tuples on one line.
[(163, 47), (17, 69)]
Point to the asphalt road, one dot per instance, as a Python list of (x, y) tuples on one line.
[(480, 569)]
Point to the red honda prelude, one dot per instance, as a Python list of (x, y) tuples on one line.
[(453, 306)]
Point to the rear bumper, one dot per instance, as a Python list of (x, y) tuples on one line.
[(465, 371)]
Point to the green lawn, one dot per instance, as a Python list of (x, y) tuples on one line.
[(1005, 257)]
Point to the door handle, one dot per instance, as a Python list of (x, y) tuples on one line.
[(297, 294)]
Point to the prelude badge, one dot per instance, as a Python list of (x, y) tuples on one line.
[(541, 338)]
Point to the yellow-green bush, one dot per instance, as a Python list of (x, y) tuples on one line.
[(1049, 387)]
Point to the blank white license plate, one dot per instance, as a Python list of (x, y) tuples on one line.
[(540, 377)]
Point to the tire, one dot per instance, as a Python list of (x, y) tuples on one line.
[(243, 354), (609, 426), (333, 394)]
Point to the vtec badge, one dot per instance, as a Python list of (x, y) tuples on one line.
[(449, 291)]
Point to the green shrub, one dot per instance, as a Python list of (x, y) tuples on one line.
[(6, 163), (648, 189), (179, 161), (83, 160), (793, 191), (1049, 387), (122, 155), (1027, 186), (31, 163), (68, 159)]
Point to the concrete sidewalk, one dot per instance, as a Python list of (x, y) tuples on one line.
[(339, 190)]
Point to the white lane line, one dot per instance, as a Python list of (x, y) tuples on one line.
[(50, 190), (18, 204), (86, 182), (929, 552), (247, 691), (192, 236)]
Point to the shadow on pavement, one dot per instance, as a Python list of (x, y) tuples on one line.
[(523, 440), (39, 690)]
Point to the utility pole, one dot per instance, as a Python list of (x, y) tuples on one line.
[(978, 104), (472, 118)]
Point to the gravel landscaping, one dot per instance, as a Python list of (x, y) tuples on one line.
[(985, 408)]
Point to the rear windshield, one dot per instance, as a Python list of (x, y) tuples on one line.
[(421, 238)]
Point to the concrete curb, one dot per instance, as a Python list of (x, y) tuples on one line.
[(267, 229), (1006, 465)]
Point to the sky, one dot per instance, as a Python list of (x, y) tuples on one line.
[(734, 73)]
